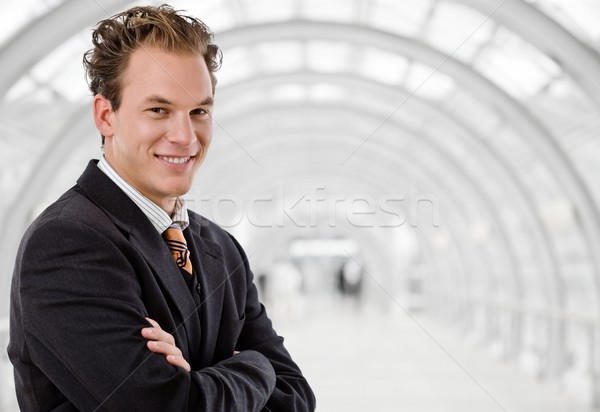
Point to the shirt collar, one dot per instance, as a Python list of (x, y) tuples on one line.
[(157, 216)]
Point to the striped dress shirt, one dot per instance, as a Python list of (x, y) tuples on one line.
[(159, 218)]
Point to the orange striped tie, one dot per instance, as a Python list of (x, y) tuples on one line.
[(178, 247)]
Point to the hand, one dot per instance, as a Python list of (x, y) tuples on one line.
[(162, 342)]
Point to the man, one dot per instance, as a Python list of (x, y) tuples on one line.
[(122, 299)]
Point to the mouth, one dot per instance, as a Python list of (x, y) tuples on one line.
[(176, 160)]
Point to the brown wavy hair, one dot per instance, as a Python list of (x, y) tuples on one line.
[(117, 37)]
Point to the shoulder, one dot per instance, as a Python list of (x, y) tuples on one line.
[(72, 210), (72, 205)]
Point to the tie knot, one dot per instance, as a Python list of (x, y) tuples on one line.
[(174, 234), (178, 246)]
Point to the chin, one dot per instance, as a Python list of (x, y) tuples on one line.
[(180, 191), (177, 187)]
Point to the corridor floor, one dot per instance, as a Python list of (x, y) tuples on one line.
[(361, 361)]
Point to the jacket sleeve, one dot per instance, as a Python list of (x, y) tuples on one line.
[(81, 314), (292, 392)]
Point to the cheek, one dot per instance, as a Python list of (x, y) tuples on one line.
[(204, 134), (207, 134), (151, 133), (148, 138)]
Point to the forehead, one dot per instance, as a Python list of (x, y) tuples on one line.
[(179, 77)]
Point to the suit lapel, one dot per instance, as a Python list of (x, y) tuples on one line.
[(133, 223)]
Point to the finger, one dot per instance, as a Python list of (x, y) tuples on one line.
[(149, 333), (153, 322), (163, 348), (179, 361), (158, 335), (172, 354), (164, 337)]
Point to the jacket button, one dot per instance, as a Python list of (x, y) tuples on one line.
[(198, 288)]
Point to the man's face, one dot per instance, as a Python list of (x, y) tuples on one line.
[(163, 127)]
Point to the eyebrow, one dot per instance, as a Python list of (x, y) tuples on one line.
[(161, 100)]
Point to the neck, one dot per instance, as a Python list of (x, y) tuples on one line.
[(167, 204)]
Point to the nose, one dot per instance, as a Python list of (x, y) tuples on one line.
[(182, 131)]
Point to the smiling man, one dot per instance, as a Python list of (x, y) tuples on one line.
[(159, 135), (122, 299)]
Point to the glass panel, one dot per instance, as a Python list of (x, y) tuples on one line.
[(516, 66), (288, 93), (579, 17), (15, 15), (259, 11), (458, 30), (381, 66), (238, 63), (329, 57), (402, 17), (323, 92), (332, 10), (426, 82), (63, 70), (282, 56)]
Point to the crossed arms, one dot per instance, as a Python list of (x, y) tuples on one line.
[(78, 324)]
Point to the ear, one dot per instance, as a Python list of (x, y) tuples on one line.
[(103, 116)]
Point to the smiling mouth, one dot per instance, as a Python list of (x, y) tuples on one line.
[(175, 160)]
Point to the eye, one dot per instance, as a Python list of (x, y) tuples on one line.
[(199, 112), (158, 110)]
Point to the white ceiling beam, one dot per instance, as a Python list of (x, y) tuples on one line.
[(40, 37)]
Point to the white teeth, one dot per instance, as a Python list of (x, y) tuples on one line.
[(175, 160)]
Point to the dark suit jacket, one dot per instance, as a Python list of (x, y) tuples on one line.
[(89, 270)]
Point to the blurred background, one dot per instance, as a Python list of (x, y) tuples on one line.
[(416, 183)]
